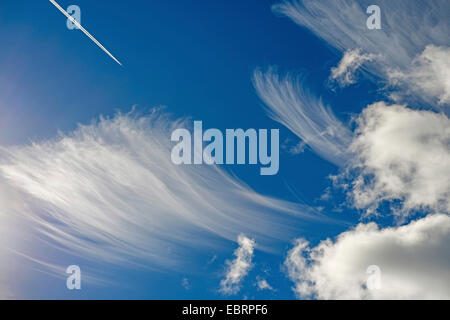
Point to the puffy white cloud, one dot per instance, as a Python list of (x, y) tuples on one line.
[(239, 267), (344, 73), (428, 74), (401, 154), (407, 28), (413, 260), (109, 193), (262, 284), (303, 114)]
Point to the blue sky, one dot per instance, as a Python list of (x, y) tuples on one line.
[(197, 59)]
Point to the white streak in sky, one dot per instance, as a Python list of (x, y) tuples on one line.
[(79, 26)]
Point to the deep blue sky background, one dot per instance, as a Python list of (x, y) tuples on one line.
[(197, 59)]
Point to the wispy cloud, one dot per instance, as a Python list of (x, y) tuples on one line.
[(304, 114), (401, 154), (407, 28), (413, 261), (186, 284), (239, 267), (298, 148), (262, 285), (397, 154), (108, 192)]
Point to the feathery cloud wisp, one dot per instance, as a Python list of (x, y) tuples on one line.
[(109, 193), (305, 115), (408, 27)]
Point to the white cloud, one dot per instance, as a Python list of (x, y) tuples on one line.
[(262, 284), (303, 114), (299, 148), (186, 284), (293, 148), (109, 193), (428, 74), (239, 267), (410, 52), (413, 259), (344, 73), (407, 28), (401, 154)]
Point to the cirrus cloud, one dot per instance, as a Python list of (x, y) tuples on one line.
[(239, 267), (408, 27), (303, 114), (344, 72), (109, 193)]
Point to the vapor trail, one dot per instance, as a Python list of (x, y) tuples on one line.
[(79, 26)]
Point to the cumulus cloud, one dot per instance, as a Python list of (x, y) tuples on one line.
[(401, 154), (262, 284), (239, 267), (413, 263), (428, 74), (344, 73), (407, 28), (303, 114), (109, 193)]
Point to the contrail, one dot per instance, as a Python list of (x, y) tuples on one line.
[(79, 26)]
